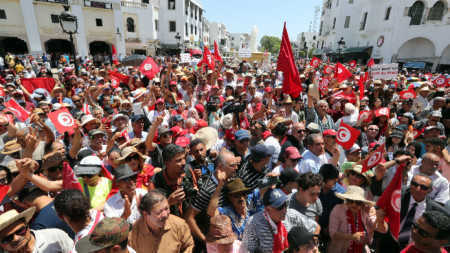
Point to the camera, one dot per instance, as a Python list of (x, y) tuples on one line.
[(233, 107), (213, 104)]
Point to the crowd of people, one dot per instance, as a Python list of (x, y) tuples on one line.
[(220, 160)]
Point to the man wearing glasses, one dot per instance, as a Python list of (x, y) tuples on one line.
[(16, 236)]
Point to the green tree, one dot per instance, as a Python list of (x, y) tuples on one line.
[(270, 44)]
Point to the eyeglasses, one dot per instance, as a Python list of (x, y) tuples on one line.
[(20, 232), (133, 157), (422, 187), (295, 160), (301, 131), (283, 206), (359, 203), (421, 231)]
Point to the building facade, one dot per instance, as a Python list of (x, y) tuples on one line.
[(131, 26), (218, 32), (388, 31)]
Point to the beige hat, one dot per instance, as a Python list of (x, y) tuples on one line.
[(355, 193), (88, 118), (358, 169), (127, 151), (227, 121), (11, 147), (424, 88), (8, 218), (208, 135)]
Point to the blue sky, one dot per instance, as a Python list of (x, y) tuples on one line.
[(267, 15)]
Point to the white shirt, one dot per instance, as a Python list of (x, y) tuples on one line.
[(88, 229), (420, 208), (52, 240), (275, 144), (440, 191), (152, 115), (311, 163), (114, 207)]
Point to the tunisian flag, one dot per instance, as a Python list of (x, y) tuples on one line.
[(315, 62), (286, 64), (346, 136), (328, 69), (342, 73), (41, 82), (217, 55), (207, 59), (115, 59), (440, 81), (149, 68), (374, 158), (70, 181), (20, 113), (390, 202), (407, 94), (3, 191), (362, 81), (352, 63), (370, 63), (123, 78), (63, 120)]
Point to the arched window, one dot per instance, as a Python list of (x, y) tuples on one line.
[(437, 11), (130, 25), (416, 12)]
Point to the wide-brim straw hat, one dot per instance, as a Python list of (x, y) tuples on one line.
[(127, 151), (208, 135), (354, 193), (11, 147), (8, 218), (358, 169)]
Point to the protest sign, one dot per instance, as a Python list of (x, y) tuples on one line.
[(185, 58), (384, 71)]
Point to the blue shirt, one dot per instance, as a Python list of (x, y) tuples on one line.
[(237, 222), (47, 218)]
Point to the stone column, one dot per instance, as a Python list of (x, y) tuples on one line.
[(31, 27), (80, 38)]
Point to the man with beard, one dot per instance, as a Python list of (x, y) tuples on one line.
[(296, 138), (16, 236), (157, 230), (199, 167), (164, 138)]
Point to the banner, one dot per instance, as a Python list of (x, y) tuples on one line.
[(62, 120), (384, 71), (185, 58), (31, 84)]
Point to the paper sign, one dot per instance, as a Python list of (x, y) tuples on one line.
[(185, 58), (384, 71)]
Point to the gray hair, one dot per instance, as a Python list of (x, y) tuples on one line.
[(309, 140), (221, 158), (150, 199), (324, 102)]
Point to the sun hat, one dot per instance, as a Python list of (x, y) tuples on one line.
[(95, 132), (329, 132), (88, 118), (127, 151), (208, 135), (11, 147), (351, 166), (11, 216), (227, 121), (236, 186), (123, 172), (118, 116), (89, 165), (220, 230), (354, 193), (107, 233)]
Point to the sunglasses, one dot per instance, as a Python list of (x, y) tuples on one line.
[(283, 206), (420, 230), (20, 232), (88, 176), (301, 131), (354, 173), (422, 187), (133, 157), (359, 203)]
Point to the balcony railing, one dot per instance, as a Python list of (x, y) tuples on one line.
[(133, 4), (54, 1), (98, 4)]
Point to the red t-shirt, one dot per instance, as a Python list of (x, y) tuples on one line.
[(412, 249)]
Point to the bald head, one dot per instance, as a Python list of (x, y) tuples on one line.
[(430, 164)]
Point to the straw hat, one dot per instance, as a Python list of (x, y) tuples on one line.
[(127, 151), (11, 147), (220, 230), (355, 193), (208, 135), (88, 118), (358, 169), (8, 218)]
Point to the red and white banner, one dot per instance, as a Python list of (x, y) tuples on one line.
[(328, 69), (352, 63), (20, 113), (70, 181), (384, 111), (351, 98), (85, 109), (374, 158), (341, 73), (115, 82), (315, 62), (440, 81), (323, 86), (217, 55), (63, 120), (149, 68), (123, 78), (347, 136), (30, 84), (207, 59), (407, 94)]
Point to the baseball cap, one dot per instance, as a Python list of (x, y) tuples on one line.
[(292, 153), (95, 132), (164, 130), (242, 135), (260, 151), (90, 165), (107, 233), (275, 198), (137, 117), (182, 141), (354, 148), (329, 132)]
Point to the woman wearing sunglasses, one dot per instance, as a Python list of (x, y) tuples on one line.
[(352, 224)]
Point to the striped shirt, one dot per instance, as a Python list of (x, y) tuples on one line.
[(249, 175), (257, 234), (201, 201)]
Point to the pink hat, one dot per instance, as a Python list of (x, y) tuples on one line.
[(292, 153), (182, 141), (329, 132), (200, 108)]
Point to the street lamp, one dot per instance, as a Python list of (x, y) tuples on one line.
[(341, 45), (69, 25), (178, 38)]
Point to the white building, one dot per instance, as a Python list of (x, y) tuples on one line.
[(388, 31), (306, 40), (132, 26), (218, 32)]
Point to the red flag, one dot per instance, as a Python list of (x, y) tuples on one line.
[(207, 59), (70, 181), (351, 98), (30, 84), (390, 202), (62, 120), (115, 82), (384, 111), (352, 63), (418, 132), (328, 69), (217, 55), (20, 113), (125, 134), (2, 92), (149, 68), (342, 73), (374, 158), (369, 115), (362, 82), (106, 173), (85, 109), (114, 55), (440, 81), (346, 136), (370, 63), (3, 191), (123, 78), (407, 94), (315, 62), (323, 86), (286, 64)]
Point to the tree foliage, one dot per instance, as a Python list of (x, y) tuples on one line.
[(270, 44)]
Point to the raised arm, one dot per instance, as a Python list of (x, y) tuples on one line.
[(151, 133)]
